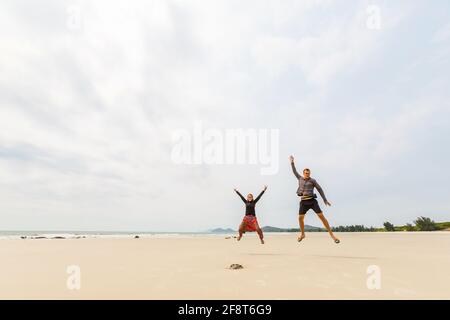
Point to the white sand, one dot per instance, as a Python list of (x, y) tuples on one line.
[(413, 266)]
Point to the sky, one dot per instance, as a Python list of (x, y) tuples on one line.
[(92, 92)]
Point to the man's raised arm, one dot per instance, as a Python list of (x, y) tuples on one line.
[(291, 158)]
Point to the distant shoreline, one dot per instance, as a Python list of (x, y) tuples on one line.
[(64, 234)]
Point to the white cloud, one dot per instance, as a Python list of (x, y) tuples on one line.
[(87, 114)]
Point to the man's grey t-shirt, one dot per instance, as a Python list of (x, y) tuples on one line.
[(306, 186)]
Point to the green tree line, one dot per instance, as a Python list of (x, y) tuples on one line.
[(420, 224)]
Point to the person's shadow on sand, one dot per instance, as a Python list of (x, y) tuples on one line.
[(267, 254), (342, 257)]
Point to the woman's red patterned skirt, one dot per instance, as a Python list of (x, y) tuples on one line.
[(250, 223)]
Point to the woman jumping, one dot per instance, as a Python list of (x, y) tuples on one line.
[(250, 223)]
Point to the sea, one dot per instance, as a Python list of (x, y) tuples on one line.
[(64, 234)]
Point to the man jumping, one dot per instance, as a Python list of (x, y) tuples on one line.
[(305, 191)]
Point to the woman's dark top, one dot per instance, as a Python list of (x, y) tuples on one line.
[(250, 205)]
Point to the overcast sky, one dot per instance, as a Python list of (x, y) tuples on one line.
[(91, 93)]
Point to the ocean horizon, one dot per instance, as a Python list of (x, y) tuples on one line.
[(76, 234)]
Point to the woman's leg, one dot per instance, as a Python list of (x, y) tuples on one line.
[(241, 230), (260, 233)]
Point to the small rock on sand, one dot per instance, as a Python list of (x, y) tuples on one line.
[(236, 266), (136, 237)]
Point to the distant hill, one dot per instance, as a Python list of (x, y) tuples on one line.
[(221, 230), (268, 229), (276, 229)]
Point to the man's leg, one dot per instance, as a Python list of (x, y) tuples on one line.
[(326, 225), (301, 220)]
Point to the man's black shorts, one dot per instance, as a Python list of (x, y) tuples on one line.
[(305, 205)]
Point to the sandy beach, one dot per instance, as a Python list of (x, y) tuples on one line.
[(411, 265)]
